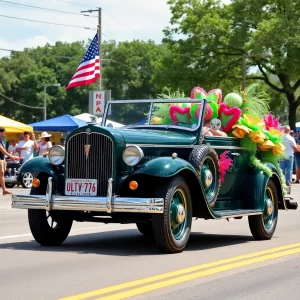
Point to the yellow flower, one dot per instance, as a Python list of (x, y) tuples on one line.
[(254, 121), (278, 149), (257, 136), (266, 145), (240, 130), (275, 132)]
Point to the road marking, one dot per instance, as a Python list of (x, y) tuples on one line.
[(212, 268), (14, 236), (77, 229)]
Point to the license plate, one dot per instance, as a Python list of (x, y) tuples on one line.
[(81, 187)]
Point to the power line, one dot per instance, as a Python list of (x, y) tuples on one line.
[(35, 107), (57, 24), (49, 9), (134, 31)]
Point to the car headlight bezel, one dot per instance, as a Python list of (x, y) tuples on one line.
[(56, 155), (132, 155)]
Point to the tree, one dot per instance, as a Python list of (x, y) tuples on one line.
[(210, 37), (127, 70), (130, 68)]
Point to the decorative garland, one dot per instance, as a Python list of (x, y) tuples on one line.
[(242, 114)]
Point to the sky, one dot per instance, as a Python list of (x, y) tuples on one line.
[(121, 20)]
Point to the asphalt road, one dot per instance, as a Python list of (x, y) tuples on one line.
[(221, 261)]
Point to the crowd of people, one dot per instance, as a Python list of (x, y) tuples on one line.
[(28, 145), (292, 152), (24, 149)]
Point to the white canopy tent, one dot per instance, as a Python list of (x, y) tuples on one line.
[(89, 117)]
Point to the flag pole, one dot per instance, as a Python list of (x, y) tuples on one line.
[(99, 46)]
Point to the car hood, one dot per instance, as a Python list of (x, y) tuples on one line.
[(157, 137)]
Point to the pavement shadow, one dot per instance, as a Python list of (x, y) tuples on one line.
[(127, 243)]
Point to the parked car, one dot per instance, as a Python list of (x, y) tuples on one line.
[(157, 176), (12, 177)]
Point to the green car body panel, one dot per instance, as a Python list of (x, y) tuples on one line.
[(158, 146)]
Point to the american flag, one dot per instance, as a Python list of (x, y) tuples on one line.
[(89, 68)]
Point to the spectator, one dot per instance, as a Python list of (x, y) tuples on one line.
[(45, 145), (297, 158), (3, 152), (291, 147), (27, 146), (12, 148), (62, 142)]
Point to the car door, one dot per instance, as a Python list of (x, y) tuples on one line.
[(229, 197)]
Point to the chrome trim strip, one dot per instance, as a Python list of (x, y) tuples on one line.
[(157, 101), (185, 146), (194, 101), (242, 215), (162, 146), (109, 195), (119, 204), (48, 195), (229, 147)]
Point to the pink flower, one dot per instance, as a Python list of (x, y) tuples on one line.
[(225, 163), (271, 121)]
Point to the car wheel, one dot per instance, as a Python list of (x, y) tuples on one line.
[(263, 226), (205, 161), (172, 228), (26, 180), (48, 228), (9, 185), (145, 229)]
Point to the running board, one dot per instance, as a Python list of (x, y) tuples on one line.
[(237, 213)]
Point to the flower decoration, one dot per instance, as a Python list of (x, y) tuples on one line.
[(225, 163), (273, 141), (271, 121), (253, 126), (228, 116)]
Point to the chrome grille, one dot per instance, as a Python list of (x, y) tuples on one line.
[(97, 165)]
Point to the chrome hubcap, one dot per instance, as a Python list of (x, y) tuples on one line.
[(269, 207), (27, 179), (208, 178), (180, 217)]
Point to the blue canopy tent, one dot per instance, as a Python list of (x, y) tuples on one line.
[(62, 124)]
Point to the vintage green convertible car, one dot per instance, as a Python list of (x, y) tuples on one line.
[(157, 176)]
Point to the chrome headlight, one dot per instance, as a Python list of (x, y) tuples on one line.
[(56, 155), (132, 155)]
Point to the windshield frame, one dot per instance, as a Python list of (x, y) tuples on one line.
[(153, 101)]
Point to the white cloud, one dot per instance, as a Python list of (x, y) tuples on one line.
[(121, 20)]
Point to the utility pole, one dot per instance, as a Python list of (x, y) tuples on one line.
[(99, 40)]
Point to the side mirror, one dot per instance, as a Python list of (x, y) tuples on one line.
[(215, 124)]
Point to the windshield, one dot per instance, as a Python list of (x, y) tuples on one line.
[(161, 113)]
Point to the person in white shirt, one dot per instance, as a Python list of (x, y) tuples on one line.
[(290, 147), (27, 146), (12, 148), (45, 145)]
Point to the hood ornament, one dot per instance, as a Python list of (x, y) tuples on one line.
[(87, 150)]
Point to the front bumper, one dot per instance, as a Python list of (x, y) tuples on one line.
[(107, 204), (10, 179)]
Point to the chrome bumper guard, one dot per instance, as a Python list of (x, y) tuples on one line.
[(104, 204)]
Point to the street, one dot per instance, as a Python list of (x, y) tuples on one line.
[(222, 260)]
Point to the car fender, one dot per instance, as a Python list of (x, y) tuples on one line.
[(38, 165), (164, 167), (256, 185)]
